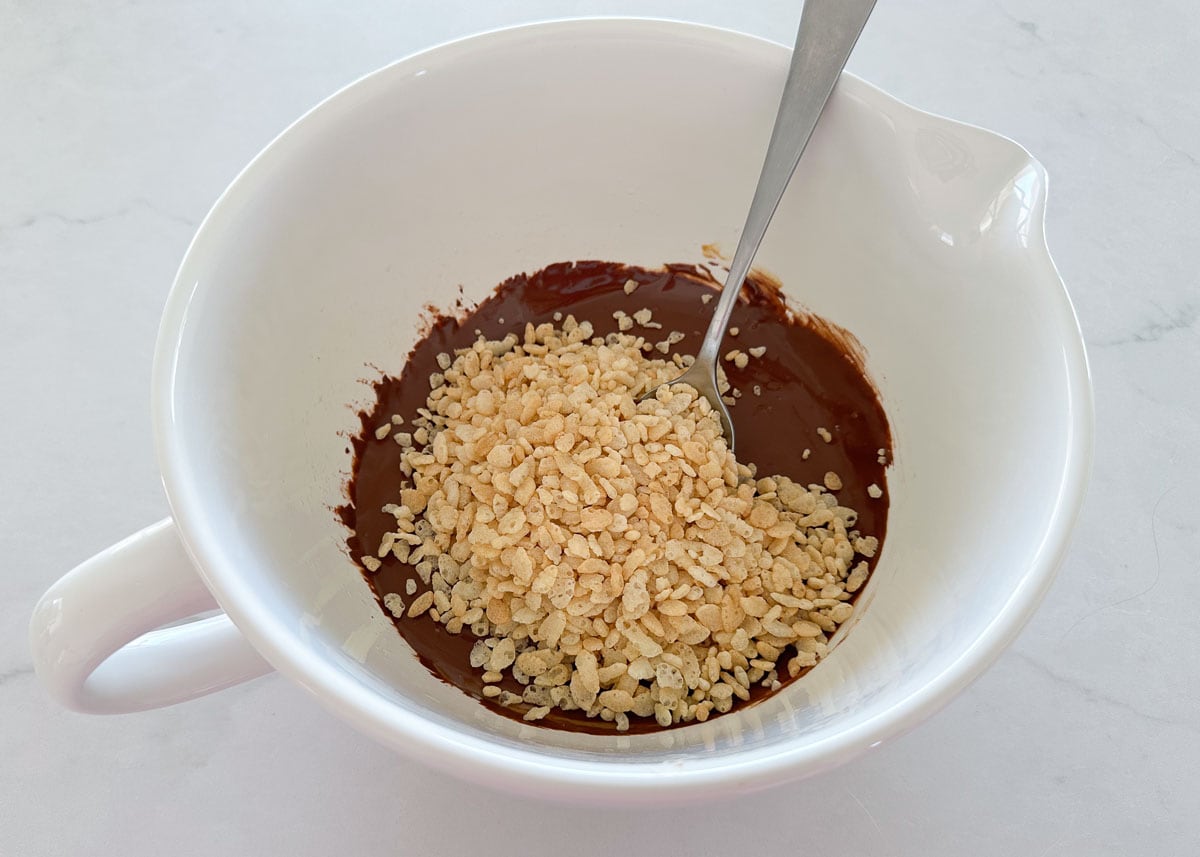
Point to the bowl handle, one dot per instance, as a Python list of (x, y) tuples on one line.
[(97, 637)]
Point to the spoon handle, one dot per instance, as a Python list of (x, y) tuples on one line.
[(828, 31)]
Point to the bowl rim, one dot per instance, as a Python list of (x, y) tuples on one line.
[(536, 772)]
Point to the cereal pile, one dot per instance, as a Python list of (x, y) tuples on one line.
[(611, 556)]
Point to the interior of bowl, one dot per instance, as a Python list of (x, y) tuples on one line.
[(636, 142)]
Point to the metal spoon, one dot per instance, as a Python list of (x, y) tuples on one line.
[(828, 31)]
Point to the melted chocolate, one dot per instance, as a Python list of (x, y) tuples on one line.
[(811, 375)]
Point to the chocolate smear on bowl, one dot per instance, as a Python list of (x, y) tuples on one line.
[(811, 376)]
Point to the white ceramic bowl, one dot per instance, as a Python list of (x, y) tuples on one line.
[(634, 141)]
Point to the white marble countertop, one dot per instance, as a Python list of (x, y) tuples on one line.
[(119, 125)]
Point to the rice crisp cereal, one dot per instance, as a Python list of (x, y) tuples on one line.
[(611, 555)]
